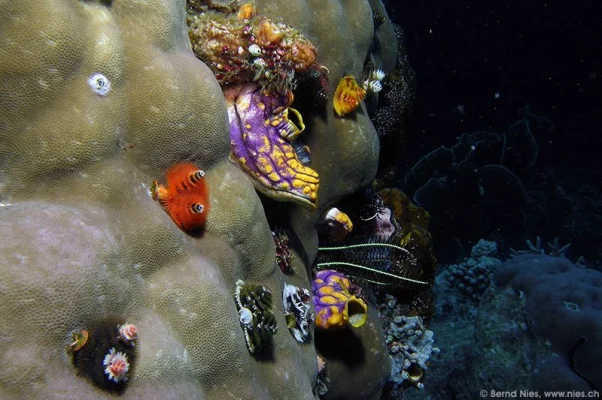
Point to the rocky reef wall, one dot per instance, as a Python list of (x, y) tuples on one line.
[(97, 100)]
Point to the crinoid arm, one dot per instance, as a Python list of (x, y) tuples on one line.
[(369, 260)]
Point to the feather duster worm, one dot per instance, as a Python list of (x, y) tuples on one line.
[(186, 196), (347, 96), (105, 353), (296, 302), (255, 311), (79, 340)]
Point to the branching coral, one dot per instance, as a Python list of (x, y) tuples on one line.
[(554, 248)]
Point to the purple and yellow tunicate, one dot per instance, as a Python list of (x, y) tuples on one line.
[(260, 135), (335, 305)]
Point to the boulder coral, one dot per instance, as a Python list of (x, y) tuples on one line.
[(97, 99), (562, 306)]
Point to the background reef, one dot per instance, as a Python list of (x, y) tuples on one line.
[(530, 323), (481, 67), (502, 143)]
